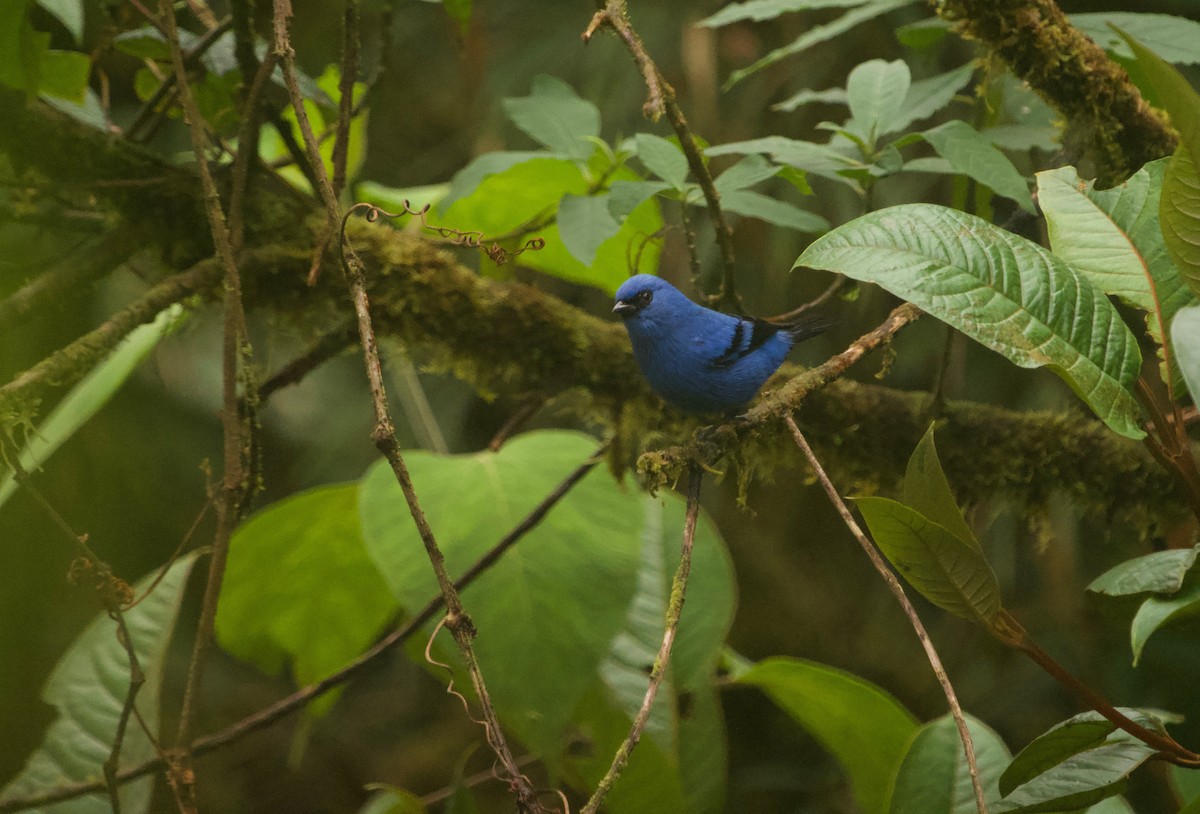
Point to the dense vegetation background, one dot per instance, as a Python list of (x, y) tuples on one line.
[(100, 202)]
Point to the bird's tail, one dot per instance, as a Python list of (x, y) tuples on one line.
[(806, 325)]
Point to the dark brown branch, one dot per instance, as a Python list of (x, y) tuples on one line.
[(663, 659), (327, 347), (341, 141), (910, 613)]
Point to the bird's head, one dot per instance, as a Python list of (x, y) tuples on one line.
[(643, 298)]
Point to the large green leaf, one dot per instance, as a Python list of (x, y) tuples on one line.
[(554, 116), (818, 159), (1113, 237), (950, 572), (279, 608), (1000, 289), (88, 687), (1185, 334), (1160, 610), (1161, 572), (972, 154), (1173, 38), (91, 393), (927, 491), (865, 728), (781, 213), (875, 91), (584, 223), (566, 616), (934, 777), (663, 158)]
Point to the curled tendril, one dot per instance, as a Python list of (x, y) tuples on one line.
[(467, 239)]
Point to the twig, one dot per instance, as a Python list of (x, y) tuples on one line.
[(515, 421), (910, 612), (1171, 448), (341, 141), (236, 433), (662, 100), (327, 347), (816, 302), (661, 661)]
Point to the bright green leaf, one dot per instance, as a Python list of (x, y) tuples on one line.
[(1113, 237), (864, 727), (928, 492), (759, 10), (781, 213), (1185, 336), (21, 47), (69, 13), (1158, 611), (924, 34), (91, 393), (875, 91), (554, 116), (934, 778), (392, 800), (459, 11), (279, 605), (1161, 572), (951, 573), (1179, 213), (1174, 39), (468, 179), (1002, 290), (88, 688), (663, 158), (393, 198), (584, 223), (1186, 783), (971, 154)]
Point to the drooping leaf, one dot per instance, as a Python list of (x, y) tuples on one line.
[(663, 158), (971, 154), (279, 606), (781, 213), (875, 91), (934, 777), (857, 15), (1113, 237), (1173, 38), (88, 687), (91, 393), (864, 727), (550, 640), (1179, 213), (1002, 290), (553, 115), (1161, 572), (928, 492), (759, 10), (951, 573), (1185, 335), (1157, 611)]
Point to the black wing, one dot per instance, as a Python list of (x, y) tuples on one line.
[(748, 336)]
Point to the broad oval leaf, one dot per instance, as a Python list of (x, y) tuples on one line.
[(863, 726), (951, 573), (934, 777), (278, 604), (88, 688), (571, 612), (1158, 611), (1185, 334), (1161, 572), (875, 91), (972, 154), (553, 115), (1000, 289)]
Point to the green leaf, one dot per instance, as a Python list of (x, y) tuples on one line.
[(864, 727), (626, 196), (951, 573), (468, 179), (1000, 289), (1113, 238), (875, 91), (64, 75), (148, 42), (541, 598), (663, 158), (971, 154), (1023, 137), (554, 116), (927, 96), (1158, 611), (934, 778), (91, 393), (924, 34), (1161, 572), (1179, 213), (1174, 39), (1080, 780), (1186, 783), (67, 12), (459, 11), (759, 10), (818, 159), (752, 169), (781, 213), (88, 688), (21, 47), (1185, 336), (584, 223), (89, 111), (927, 491), (821, 33), (393, 198), (829, 96), (279, 608), (392, 800), (1174, 91)]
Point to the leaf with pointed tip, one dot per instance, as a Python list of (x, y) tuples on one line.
[(1113, 237), (1173, 38), (1081, 780), (1161, 572), (971, 154), (663, 158), (935, 778), (875, 91), (927, 96), (1000, 289), (1158, 611), (951, 573), (864, 727), (781, 213), (553, 115), (927, 491), (88, 687)]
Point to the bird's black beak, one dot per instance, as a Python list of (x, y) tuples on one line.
[(625, 309)]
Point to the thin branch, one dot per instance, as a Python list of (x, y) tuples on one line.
[(910, 612), (663, 659), (325, 348), (1172, 448), (341, 141), (661, 100)]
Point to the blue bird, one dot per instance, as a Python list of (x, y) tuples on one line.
[(697, 359)]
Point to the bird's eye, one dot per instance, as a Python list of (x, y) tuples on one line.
[(643, 298)]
